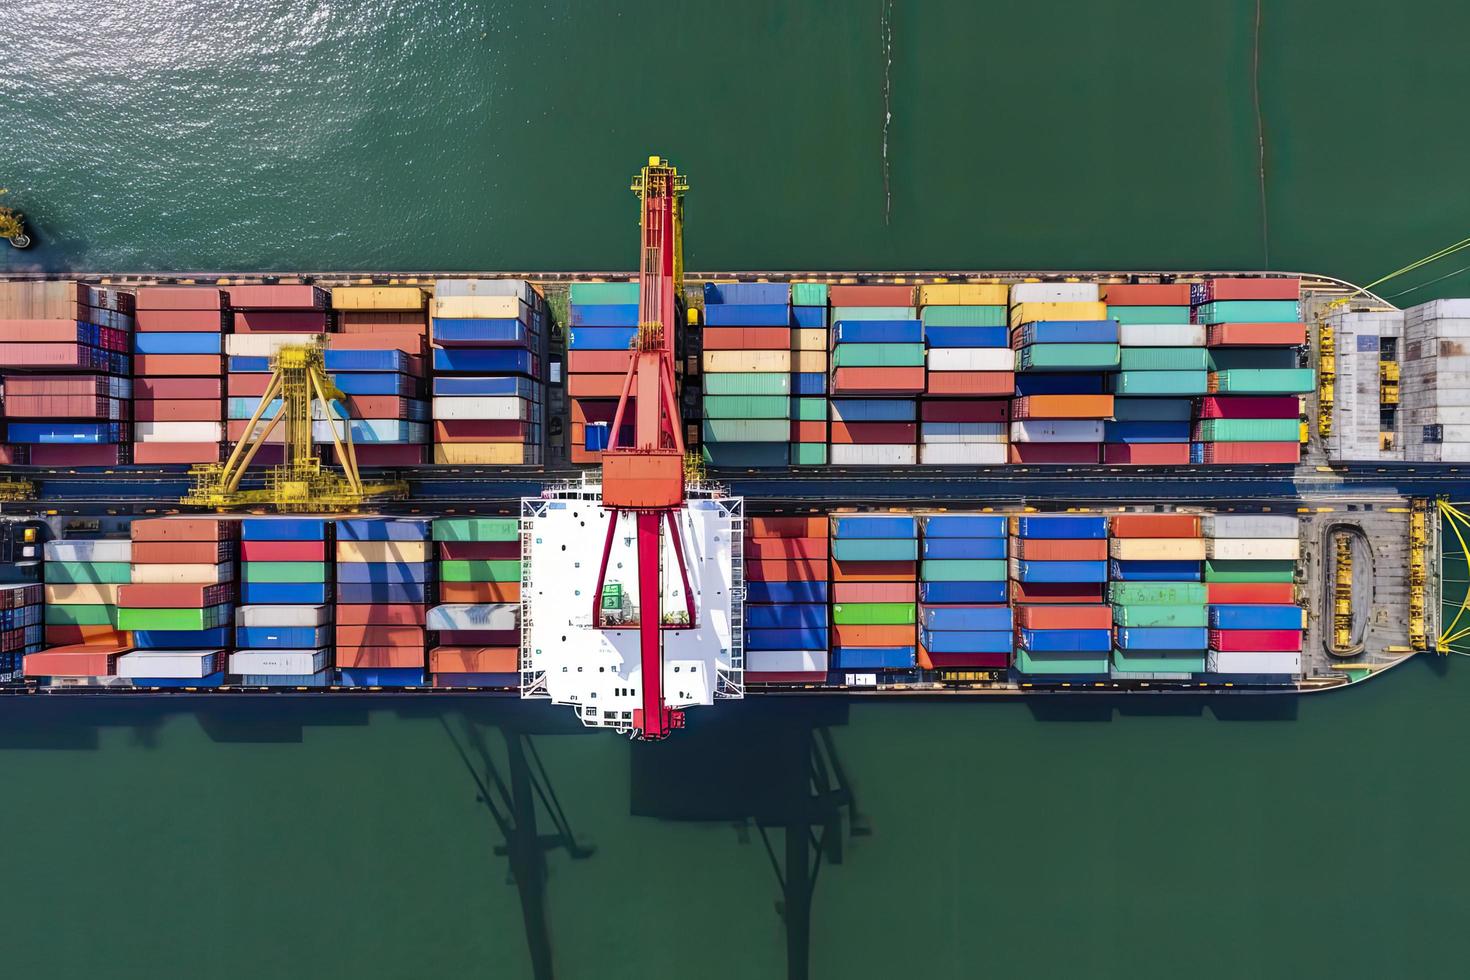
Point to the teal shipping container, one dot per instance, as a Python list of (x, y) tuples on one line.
[(965, 316), (1161, 382)]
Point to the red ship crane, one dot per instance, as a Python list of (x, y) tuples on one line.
[(645, 478)]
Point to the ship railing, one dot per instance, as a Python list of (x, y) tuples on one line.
[(533, 680)]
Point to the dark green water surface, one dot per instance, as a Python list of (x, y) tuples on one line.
[(1320, 837)]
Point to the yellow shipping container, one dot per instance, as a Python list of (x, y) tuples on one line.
[(477, 307), (810, 362), (1157, 549), (809, 338), (382, 551), (485, 453), (1031, 312), (964, 294), (183, 574), (766, 361), (82, 594), (378, 298)]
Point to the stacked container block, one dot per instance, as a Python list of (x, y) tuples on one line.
[(81, 619), (1162, 370), (602, 328), (787, 565), (180, 602), (810, 341), (22, 612), (489, 339), (1250, 572), (1159, 616), (1253, 331), (283, 627), (965, 412), (964, 618), (1066, 349), (264, 319), (386, 581), (65, 359), (877, 375), (748, 364), (478, 626), (378, 359), (1058, 572), (179, 406), (875, 586)]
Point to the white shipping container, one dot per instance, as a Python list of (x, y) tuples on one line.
[(267, 615), (179, 664), (474, 616), (842, 454), (971, 359), (785, 661), (184, 574), (1250, 662), (1254, 549), (263, 344), (120, 549), (1157, 549), (518, 288), (278, 661), (178, 431), (1054, 292), (1057, 430), (481, 308), (1441, 309), (1161, 334), (931, 433), (1251, 525), (963, 454), (507, 407)]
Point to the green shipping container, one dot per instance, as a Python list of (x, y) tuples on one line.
[(747, 383), (477, 529), (1061, 357), (1250, 311), (95, 572), (173, 619), (875, 614), (1159, 662), (875, 549), (1164, 359), (746, 455), (1060, 664), (1158, 593), (1183, 616), (747, 430), (878, 355), (1296, 381), (747, 407), (480, 570), (1250, 430), (1245, 570), (603, 293), (840, 313), (283, 571), (809, 454), (1161, 382), (808, 294), (1251, 358), (81, 615), (809, 409), (962, 570), (1149, 314), (963, 316)]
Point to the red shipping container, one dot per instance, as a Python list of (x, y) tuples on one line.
[(595, 385), (380, 656), (1024, 453), (168, 453), (791, 570), (874, 592), (870, 295), (386, 455), (1156, 526), (367, 320), (1063, 407), (182, 552), (1041, 549), (787, 527), (875, 433), (185, 529), (248, 385), (1260, 641), (1064, 617), (980, 661), (878, 381), (180, 321), (381, 614), (43, 331), (178, 410), (479, 550), (874, 571), (785, 677), (872, 636), (971, 384), (808, 431), (101, 455), (404, 340), (44, 355), (375, 406), (1255, 453), (1216, 290), (13, 455), (1256, 335), (151, 595), (1259, 593), (1074, 592), (280, 321), (96, 385), (479, 638), (474, 660), (598, 361), (74, 661), (283, 551), (1146, 294), (965, 411), (278, 297), (179, 365), (171, 388), (746, 338), (1146, 454), (479, 592), (1249, 407), (785, 548), (179, 298), (64, 407), (379, 634), (93, 636), (480, 430)]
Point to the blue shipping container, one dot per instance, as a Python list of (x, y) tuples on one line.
[(756, 592), (747, 315), (488, 331), (384, 361), (809, 383), (284, 529), (809, 317), (218, 636), (965, 618), (65, 433), (1162, 638), (1062, 571), (282, 637), (811, 638), (967, 336), (285, 593), (964, 526), (367, 593), (176, 343), (1237, 617), (349, 572), (474, 360), (1066, 641), (1154, 571), (962, 592), (804, 616), (873, 658), (874, 526), (1063, 527), (874, 409), (217, 679), (879, 331), (764, 293), (1069, 332), (375, 384), (967, 641), (380, 677), (1153, 410), (382, 529), (610, 315), (602, 338), (520, 387), (1145, 432)]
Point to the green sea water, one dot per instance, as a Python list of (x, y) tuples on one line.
[(1213, 838)]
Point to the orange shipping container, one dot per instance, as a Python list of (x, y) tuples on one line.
[(184, 529), (181, 552), (74, 661), (479, 592), (971, 384), (1256, 335), (1146, 294), (746, 338), (1155, 526), (808, 431), (381, 614), (1041, 549), (875, 571), (1063, 407), (380, 656), (786, 548), (379, 634), (1064, 617), (598, 361), (878, 380), (474, 660), (787, 527), (407, 341), (595, 385), (794, 570), (1263, 593)]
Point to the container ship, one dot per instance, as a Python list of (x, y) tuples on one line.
[(635, 495)]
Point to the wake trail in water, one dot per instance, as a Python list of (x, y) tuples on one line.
[(885, 31)]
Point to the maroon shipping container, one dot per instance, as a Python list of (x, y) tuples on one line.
[(870, 295), (996, 410), (878, 380), (479, 550), (1146, 294), (283, 551), (278, 297), (1249, 407), (1053, 453), (179, 365), (1216, 290), (118, 454), (12, 455), (178, 410), (172, 388), (65, 407), (875, 433), (746, 338), (1059, 616), (1255, 334), (150, 595), (1146, 454), (152, 298), (1047, 592), (971, 384), (785, 677), (58, 384), (982, 661), (1256, 453), (167, 453), (181, 321), (280, 321)]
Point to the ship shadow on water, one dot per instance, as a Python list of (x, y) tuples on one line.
[(1108, 707)]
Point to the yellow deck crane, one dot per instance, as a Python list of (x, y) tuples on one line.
[(13, 489), (301, 484)]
